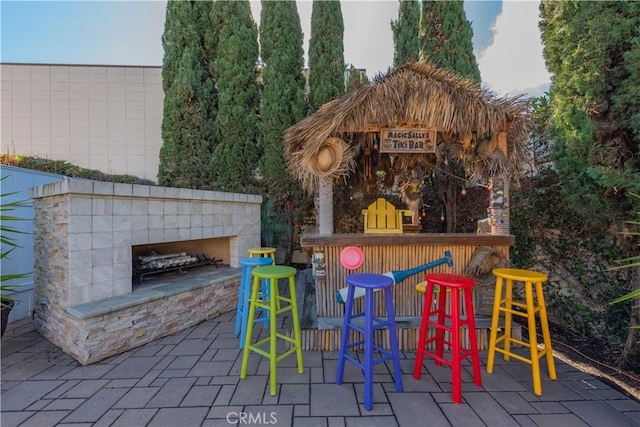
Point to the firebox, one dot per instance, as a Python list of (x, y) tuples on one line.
[(153, 259)]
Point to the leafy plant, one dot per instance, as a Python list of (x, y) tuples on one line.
[(630, 262), (8, 244), (62, 167)]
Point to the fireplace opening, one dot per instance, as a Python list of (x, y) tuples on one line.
[(155, 263), (151, 260)]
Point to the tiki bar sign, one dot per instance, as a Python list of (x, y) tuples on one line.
[(406, 140)]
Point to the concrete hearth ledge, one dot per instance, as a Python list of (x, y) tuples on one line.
[(85, 186), (91, 332), (142, 296)]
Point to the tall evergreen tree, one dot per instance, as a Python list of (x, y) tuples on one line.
[(283, 104), (446, 40), (446, 37), (592, 49), (406, 30), (356, 78), (326, 53), (235, 41), (189, 110)]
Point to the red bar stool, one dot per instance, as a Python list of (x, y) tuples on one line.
[(449, 322)]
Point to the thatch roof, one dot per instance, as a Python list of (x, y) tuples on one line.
[(417, 95)]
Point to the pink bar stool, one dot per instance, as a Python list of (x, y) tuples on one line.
[(451, 322)]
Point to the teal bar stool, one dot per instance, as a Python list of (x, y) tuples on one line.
[(244, 294), (273, 273)]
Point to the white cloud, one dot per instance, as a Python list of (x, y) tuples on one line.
[(368, 40), (513, 64), (136, 37)]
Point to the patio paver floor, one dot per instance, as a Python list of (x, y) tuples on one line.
[(176, 381)]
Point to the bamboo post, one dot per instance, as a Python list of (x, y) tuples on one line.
[(325, 207), (499, 200)]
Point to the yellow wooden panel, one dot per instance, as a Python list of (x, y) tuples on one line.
[(382, 217)]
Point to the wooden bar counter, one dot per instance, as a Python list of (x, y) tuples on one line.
[(384, 253)]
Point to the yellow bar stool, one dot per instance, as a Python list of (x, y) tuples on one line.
[(273, 273), (533, 306), (263, 253)]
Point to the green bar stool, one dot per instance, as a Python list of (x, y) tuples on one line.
[(273, 273)]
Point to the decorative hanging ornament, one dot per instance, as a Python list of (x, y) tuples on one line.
[(328, 158), (351, 257), (325, 159)]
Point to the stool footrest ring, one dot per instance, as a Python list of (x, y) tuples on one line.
[(386, 355)]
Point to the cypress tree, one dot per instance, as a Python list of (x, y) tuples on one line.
[(326, 53), (592, 49), (235, 42), (356, 79), (406, 29), (283, 104), (446, 38), (189, 110)]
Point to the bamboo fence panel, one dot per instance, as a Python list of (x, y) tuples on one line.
[(383, 259), (407, 301), (329, 339)]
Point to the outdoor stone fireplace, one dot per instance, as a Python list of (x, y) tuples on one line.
[(86, 234)]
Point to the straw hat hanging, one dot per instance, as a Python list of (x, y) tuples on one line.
[(328, 159)]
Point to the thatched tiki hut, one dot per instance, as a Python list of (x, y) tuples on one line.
[(405, 120)]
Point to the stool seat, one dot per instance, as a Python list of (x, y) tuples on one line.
[(255, 262), (533, 309), (370, 280), (244, 294), (265, 252), (450, 280), (370, 283), (519, 274), (448, 318), (272, 273)]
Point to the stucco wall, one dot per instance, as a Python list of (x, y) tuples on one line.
[(97, 117)]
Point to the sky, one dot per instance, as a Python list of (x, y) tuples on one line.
[(506, 37)]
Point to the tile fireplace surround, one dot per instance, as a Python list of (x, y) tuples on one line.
[(83, 236)]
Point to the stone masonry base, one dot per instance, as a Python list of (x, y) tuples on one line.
[(94, 331)]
